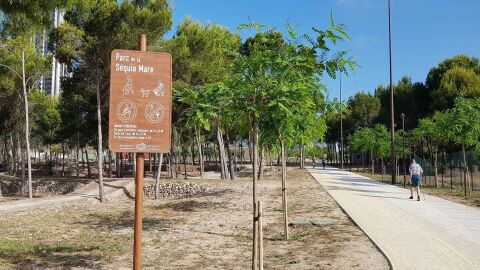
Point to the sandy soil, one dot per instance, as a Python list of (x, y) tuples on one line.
[(212, 231)]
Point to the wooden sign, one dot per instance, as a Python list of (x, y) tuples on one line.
[(140, 114)]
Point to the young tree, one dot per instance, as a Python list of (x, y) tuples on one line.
[(45, 118), (19, 58), (382, 146), (201, 60), (277, 86), (92, 30), (431, 129), (461, 124), (23, 20)]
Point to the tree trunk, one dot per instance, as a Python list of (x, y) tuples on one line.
[(373, 161), (89, 172), (262, 164), (383, 169), (444, 167), (22, 165), (225, 161), (155, 164), (176, 165), (462, 173), (170, 165), (9, 154), (230, 157), (301, 157), (435, 166), (336, 153), (27, 128), (193, 153), (254, 129), (241, 152), (22, 161), (465, 168), (430, 147), (63, 159), (109, 163), (235, 159), (184, 162), (78, 163), (471, 179), (157, 179), (270, 158), (222, 155), (83, 162), (120, 165), (50, 161), (451, 175), (219, 156), (200, 152), (4, 162), (363, 163), (351, 159), (250, 151), (304, 157), (284, 188), (99, 146), (214, 154)]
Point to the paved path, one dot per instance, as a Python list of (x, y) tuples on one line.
[(112, 188), (430, 234)]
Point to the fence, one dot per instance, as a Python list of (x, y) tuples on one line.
[(450, 170)]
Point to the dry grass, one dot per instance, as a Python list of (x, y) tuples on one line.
[(212, 231)]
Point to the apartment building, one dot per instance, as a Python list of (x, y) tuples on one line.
[(51, 82)]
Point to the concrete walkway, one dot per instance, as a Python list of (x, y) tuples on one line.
[(430, 234)]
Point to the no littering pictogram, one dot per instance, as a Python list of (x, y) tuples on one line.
[(154, 112)]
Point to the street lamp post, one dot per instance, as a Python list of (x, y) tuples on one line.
[(403, 151), (393, 158), (341, 121)]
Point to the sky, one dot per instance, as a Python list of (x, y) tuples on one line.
[(424, 32)]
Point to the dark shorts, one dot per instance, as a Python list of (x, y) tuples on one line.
[(415, 180)]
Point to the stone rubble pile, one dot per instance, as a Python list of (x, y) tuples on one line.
[(173, 190), (53, 187)]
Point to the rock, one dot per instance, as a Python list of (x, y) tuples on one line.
[(53, 187), (173, 190)]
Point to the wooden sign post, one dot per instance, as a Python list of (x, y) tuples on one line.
[(140, 115)]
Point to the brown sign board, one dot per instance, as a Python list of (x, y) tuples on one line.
[(140, 112)]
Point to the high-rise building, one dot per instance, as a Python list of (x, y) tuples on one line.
[(50, 82)]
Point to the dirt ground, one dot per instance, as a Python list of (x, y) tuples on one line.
[(210, 231)]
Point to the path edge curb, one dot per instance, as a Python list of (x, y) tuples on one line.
[(390, 264)]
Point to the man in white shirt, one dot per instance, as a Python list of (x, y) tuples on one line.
[(416, 172)]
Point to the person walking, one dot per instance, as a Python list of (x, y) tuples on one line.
[(314, 160), (324, 160), (416, 172)]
